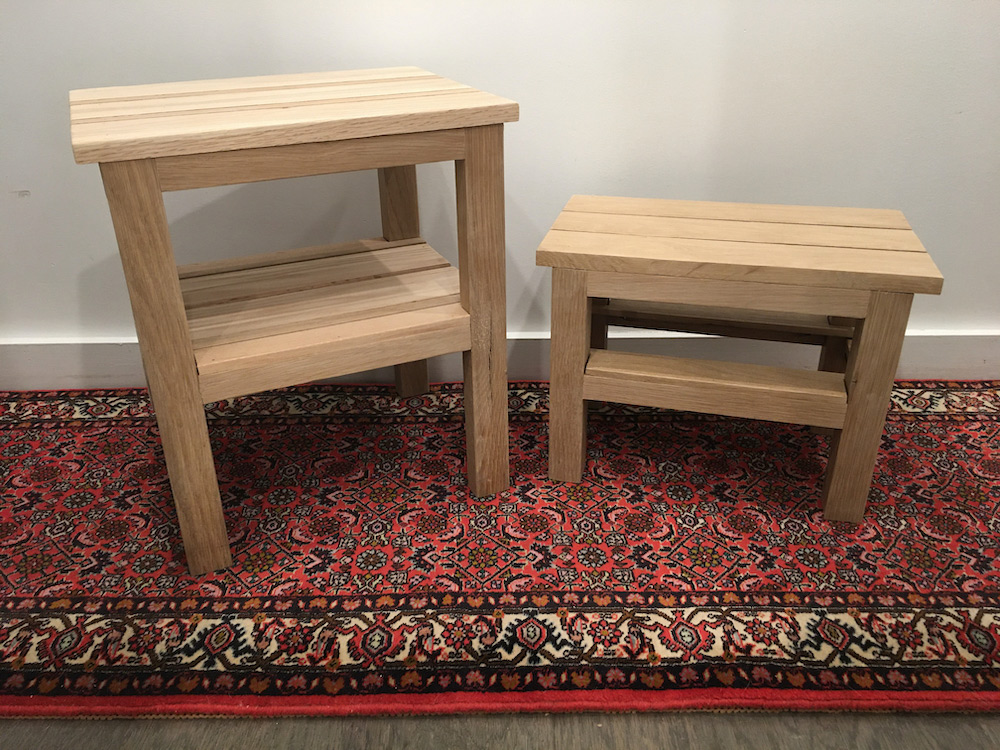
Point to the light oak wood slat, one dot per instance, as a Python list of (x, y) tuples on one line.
[(871, 366), (821, 215), (296, 311), (248, 83), (568, 357), (715, 259), (740, 231), (746, 295), (400, 211), (792, 322), (150, 270), (305, 159), (237, 101), (254, 283), (481, 248), (728, 388), (330, 121), (280, 257), (276, 361)]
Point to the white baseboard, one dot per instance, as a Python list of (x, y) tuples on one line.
[(113, 363)]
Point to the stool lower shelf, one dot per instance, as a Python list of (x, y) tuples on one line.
[(733, 389), (273, 320)]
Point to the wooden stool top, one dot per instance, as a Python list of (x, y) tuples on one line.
[(168, 119), (852, 248)]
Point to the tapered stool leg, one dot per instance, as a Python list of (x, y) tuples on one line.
[(569, 349), (871, 366), (168, 358), (482, 273), (397, 189)]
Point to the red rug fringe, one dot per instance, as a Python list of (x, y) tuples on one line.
[(741, 699)]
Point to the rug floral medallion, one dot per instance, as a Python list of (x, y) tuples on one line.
[(691, 568)]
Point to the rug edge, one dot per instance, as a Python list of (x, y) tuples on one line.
[(601, 701)]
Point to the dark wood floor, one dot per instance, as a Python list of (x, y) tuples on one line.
[(514, 732)]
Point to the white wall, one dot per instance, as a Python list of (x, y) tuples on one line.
[(848, 102)]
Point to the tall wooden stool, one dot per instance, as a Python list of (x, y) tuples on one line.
[(840, 277), (215, 330)]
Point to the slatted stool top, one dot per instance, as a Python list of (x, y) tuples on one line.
[(168, 119), (851, 248)]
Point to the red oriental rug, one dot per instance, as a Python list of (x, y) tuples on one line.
[(691, 569)]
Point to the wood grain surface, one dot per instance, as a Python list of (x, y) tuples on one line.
[(168, 358), (744, 295), (479, 180), (731, 388), (862, 249), (260, 364), (400, 210), (305, 159), (801, 265), (298, 290), (825, 215), (870, 369), (196, 117), (568, 357)]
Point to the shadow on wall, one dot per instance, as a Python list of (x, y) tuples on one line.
[(102, 364), (528, 285), (226, 222)]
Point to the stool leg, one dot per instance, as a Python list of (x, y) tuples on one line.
[(871, 366), (569, 349), (482, 272), (833, 355), (154, 289), (397, 189), (598, 324), (832, 358), (598, 333)]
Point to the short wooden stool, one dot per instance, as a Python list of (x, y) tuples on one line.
[(840, 277), (215, 330)]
